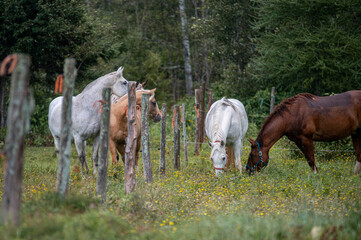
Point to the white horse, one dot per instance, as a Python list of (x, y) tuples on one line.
[(86, 117), (226, 125)]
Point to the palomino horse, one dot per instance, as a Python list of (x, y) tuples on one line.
[(305, 118), (226, 125), (119, 126), (86, 118)]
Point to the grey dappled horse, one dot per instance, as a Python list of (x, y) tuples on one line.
[(226, 125), (86, 117)]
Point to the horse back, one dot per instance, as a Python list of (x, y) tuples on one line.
[(328, 118)]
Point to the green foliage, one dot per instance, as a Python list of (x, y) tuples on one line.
[(310, 46)]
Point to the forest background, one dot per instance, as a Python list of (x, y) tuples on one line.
[(239, 48)]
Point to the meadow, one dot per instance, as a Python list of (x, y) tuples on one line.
[(285, 201)]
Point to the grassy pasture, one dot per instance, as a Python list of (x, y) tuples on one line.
[(285, 201)]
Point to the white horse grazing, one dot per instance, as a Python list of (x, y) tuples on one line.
[(85, 115), (226, 125)]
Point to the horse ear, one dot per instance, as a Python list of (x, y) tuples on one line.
[(136, 85), (145, 83), (120, 72), (253, 142)]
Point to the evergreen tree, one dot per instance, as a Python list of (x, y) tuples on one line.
[(308, 46)]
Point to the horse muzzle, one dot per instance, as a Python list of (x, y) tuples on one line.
[(157, 118)]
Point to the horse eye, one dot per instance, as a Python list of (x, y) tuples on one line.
[(154, 103), (212, 159), (224, 158), (125, 83)]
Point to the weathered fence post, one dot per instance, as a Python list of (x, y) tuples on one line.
[(272, 99), (163, 140), (147, 166), (104, 146), (131, 144), (176, 138), (184, 134), (18, 123), (197, 120), (70, 73), (202, 113), (210, 100)]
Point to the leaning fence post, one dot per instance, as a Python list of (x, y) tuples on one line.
[(203, 114), (66, 124), (18, 123), (184, 134), (163, 140), (176, 138), (272, 99), (131, 141), (197, 121), (104, 145), (147, 166)]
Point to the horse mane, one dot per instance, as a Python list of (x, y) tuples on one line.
[(280, 110), (91, 84), (215, 129)]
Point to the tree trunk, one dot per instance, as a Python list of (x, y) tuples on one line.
[(70, 73), (186, 52), (131, 144), (104, 146), (20, 108)]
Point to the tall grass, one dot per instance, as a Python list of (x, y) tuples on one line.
[(285, 201)]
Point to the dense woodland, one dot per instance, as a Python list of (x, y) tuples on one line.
[(240, 48)]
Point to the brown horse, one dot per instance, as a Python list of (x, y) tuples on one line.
[(119, 127), (305, 118)]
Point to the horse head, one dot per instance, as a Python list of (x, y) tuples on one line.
[(218, 156), (154, 112), (120, 85), (257, 159)]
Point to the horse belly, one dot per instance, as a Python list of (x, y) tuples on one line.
[(335, 128)]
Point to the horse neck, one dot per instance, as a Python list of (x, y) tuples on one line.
[(222, 124), (272, 132), (94, 90)]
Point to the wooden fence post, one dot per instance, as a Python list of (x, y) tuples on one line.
[(104, 146), (203, 114), (210, 100), (70, 73), (18, 123), (131, 144), (147, 166), (176, 138), (197, 121), (163, 140), (272, 99), (184, 134)]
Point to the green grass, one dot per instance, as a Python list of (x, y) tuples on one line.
[(285, 201)]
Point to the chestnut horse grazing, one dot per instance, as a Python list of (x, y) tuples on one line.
[(119, 123), (305, 118)]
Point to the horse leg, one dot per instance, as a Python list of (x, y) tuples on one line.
[(121, 150), (57, 144), (113, 151), (306, 146), (80, 147), (95, 154), (237, 149), (356, 141)]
